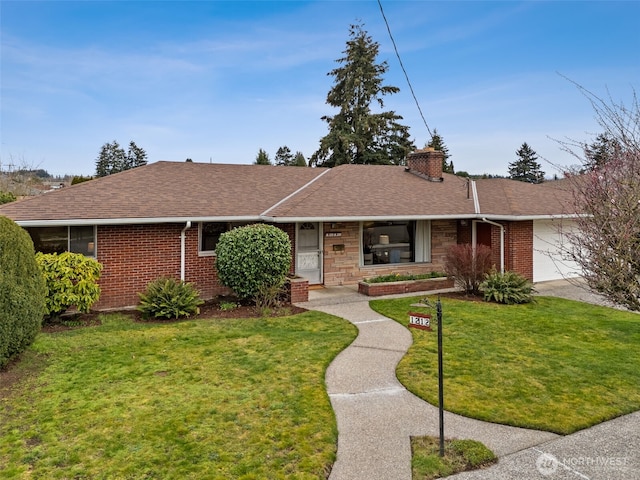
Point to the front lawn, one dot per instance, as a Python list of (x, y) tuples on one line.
[(555, 364), (229, 398)]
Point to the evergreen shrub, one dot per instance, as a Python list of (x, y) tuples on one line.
[(508, 287), (254, 261), (71, 279), (22, 291), (169, 298)]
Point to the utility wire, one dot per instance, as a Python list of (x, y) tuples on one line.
[(403, 69)]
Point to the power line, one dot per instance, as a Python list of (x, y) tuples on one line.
[(403, 69)]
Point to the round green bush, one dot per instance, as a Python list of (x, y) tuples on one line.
[(22, 291), (253, 259)]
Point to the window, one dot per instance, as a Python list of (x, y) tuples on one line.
[(396, 242), (76, 239), (210, 234)]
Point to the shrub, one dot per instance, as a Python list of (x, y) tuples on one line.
[(254, 261), (507, 287), (468, 266), (22, 291), (71, 279), (169, 298), (7, 197)]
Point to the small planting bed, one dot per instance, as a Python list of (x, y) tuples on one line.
[(393, 284)]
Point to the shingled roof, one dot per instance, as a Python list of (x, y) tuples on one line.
[(180, 191), (166, 191), (509, 198)]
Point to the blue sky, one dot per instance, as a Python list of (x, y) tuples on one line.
[(218, 80)]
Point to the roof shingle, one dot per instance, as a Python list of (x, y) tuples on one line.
[(177, 191)]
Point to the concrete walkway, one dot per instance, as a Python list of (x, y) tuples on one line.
[(376, 415)]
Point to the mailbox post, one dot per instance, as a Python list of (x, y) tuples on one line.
[(440, 379), (423, 322)]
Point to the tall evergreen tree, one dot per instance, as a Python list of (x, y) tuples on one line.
[(284, 157), (299, 160), (437, 143), (262, 158), (356, 133), (136, 156), (113, 159), (598, 153), (526, 168)]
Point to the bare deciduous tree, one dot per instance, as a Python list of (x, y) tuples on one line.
[(606, 202)]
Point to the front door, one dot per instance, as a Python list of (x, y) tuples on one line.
[(309, 252)]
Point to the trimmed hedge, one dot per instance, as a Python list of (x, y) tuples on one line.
[(22, 291), (254, 260)]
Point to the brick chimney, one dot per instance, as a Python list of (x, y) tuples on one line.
[(426, 163)]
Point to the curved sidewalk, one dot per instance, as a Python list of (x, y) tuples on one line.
[(376, 415)]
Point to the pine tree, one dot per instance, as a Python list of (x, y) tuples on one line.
[(437, 143), (136, 156), (598, 153), (284, 157), (526, 168), (262, 158), (356, 133), (113, 159), (299, 160)]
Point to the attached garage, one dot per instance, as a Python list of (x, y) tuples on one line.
[(549, 261)]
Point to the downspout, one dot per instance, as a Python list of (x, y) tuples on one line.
[(183, 237), (501, 241)]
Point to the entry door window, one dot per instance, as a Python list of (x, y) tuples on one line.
[(308, 237)]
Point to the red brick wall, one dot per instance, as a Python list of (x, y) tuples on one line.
[(135, 255), (519, 255), (518, 238), (518, 241)]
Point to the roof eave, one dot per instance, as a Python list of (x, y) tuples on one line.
[(263, 218), (133, 221)]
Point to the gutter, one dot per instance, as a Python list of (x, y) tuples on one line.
[(501, 241), (183, 237), (266, 218), (133, 221)]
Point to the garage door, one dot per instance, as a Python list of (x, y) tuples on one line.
[(549, 263)]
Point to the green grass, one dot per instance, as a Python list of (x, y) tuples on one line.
[(555, 364), (206, 399), (459, 456)]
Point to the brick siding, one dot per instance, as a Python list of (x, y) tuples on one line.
[(135, 255), (519, 254)]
